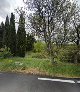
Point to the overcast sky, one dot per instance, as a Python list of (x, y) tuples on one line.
[(8, 6)]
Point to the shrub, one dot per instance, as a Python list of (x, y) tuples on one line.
[(69, 54), (40, 55), (39, 47), (5, 54)]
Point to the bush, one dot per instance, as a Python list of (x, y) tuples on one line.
[(40, 50), (40, 55), (5, 54), (39, 47), (69, 54)]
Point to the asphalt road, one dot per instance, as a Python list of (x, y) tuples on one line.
[(13, 82)]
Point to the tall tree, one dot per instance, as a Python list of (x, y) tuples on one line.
[(12, 34), (3, 30), (65, 27), (52, 20), (1, 34), (6, 39), (44, 20), (76, 24), (21, 37), (48, 17)]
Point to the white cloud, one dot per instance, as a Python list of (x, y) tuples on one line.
[(2, 19), (8, 6), (16, 3)]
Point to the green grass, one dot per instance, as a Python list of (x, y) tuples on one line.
[(39, 66)]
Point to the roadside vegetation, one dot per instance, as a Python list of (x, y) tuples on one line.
[(40, 67), (56, 52), (38, 62)]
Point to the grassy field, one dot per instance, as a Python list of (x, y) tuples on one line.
[(40, 67)]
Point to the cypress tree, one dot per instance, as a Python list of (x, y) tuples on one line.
[(3, 30), (0, 37), (21, 37), (6, 35), (12, 37), (1, 34)]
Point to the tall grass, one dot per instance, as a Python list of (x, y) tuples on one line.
[(40, 66)]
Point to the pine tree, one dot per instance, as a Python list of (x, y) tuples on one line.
[(6, 35), (12, 33), (21, 37)]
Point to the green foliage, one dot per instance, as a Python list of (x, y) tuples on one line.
[(40, 55), (1, 37), (21, 37), (69, 54), (9, 37), (39, 47), (5, 53), (2, 29), (6, 38), (40, 66), (29, 42), (12, 35), (40, 50)]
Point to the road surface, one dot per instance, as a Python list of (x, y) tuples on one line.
[(13, 82)]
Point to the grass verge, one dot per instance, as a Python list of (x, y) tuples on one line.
[(40, 67)]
